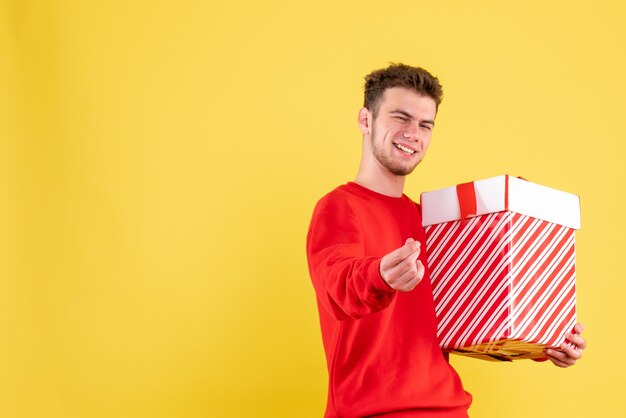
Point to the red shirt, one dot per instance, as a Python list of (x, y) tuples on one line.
[(381, 345)]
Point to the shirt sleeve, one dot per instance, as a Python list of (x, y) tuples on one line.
[(346, 280)]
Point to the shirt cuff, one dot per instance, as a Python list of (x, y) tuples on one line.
[(377, 280)]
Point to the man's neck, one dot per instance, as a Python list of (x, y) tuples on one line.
[(382, 181)]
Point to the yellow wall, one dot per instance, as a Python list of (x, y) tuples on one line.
[(159, 162)]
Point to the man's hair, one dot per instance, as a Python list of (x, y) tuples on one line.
[(400, 75)]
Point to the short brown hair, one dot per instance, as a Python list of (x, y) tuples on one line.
[(400, 75)]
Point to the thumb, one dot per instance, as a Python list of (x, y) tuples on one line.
[(415, 246)]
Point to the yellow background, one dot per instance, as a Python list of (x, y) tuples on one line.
[(159, 162)]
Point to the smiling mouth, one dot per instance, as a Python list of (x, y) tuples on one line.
[(404, 149)]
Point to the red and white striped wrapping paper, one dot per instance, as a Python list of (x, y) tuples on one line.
[(503, 281)]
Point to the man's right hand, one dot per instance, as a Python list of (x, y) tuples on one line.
[(401, 269)]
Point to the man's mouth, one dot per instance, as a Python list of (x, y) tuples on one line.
[(404, 149)]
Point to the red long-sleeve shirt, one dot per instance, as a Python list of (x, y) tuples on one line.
[(381, 345)]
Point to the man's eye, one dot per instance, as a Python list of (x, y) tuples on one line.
[(401, 118), (426, 126)]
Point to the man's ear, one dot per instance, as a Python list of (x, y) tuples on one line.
[(365, 121)]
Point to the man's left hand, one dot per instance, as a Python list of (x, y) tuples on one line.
[(567, 356)]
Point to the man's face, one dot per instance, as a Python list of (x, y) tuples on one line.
[(401, 130)]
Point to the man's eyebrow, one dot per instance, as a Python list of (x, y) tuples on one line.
[(402, 112), (408, 115)]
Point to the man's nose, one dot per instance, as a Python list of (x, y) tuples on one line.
[(412, 133)]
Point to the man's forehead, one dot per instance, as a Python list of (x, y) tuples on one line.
[(407, 100)]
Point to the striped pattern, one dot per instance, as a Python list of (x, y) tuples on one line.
[(501, 280)]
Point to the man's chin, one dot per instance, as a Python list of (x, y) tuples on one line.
[(397, 168), (403, 171)]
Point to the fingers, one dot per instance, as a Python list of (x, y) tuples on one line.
[(559, 358), (565, 356), (579, 328), (397, 256), (401, 258), (417, 275), (420, 268), (577, 340), (401, 268), (571, 351), (406, 265), (411, 277)]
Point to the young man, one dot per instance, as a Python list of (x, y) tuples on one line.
[(366, 259)]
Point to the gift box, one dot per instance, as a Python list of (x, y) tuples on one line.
[(501, 257)]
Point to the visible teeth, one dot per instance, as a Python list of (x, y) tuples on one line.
[(405, 149)]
